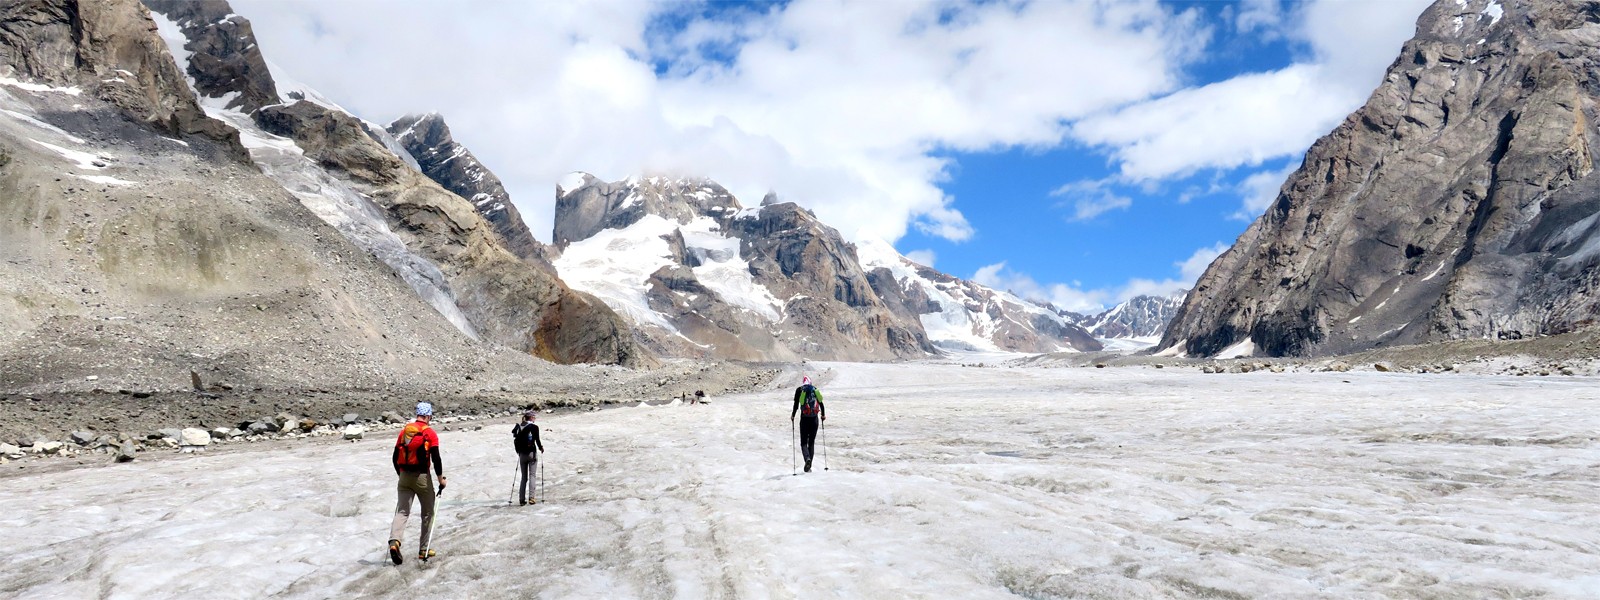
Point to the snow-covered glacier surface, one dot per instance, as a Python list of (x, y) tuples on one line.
[(942, 482)]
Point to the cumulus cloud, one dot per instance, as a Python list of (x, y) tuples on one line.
[(837, 105), (1252, 118)]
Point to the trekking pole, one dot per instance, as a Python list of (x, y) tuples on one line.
[(794, 446), (542, 492), (824, 444), (516, 473)]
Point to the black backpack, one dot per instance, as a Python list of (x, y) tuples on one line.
[(524, 438)]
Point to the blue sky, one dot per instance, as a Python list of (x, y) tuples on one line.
[(1076, 151)]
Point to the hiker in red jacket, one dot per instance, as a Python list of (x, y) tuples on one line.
[(414, 451)]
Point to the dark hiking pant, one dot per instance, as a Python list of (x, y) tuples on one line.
[(808, 436)]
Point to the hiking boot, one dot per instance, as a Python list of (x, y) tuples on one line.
[(394, 552), (424, 555), (522, 503), (808, 466)]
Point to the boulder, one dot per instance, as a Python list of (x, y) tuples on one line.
[(393, 417), (82, 438), (11, 451), (221, 433), (50, 447), (194, 437), (286, 421), (1382, 367), (351, 418), (170, 433), (354, 432), (262, 428), (125, 452), (307, 424)]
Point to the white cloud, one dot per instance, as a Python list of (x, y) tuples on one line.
[(1258, 15), (922, 257), (1091, 198), (1256, 117), (837, 105)]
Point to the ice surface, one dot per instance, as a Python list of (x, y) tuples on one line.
[(725, 272), (39, 87), (943, 482), (614, 265), (82, 160), (1242, 349), (1494, 11)]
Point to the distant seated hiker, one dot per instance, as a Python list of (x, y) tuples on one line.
[(415, 451), (699, 396), (525, 436), (808, 402)]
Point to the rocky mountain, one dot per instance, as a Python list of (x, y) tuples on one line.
[(427, 139), (361, 180), (703, 275), (1139, 317), (139, 242), (1460, 202)]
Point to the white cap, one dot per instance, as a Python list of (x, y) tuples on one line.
[(424, 409)]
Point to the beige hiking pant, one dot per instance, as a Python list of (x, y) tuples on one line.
[(419, 486)]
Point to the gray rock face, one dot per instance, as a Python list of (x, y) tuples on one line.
[(427, 139), (1140, 316), (224, 58), (509, 301), (1460, 202), (108, 49)]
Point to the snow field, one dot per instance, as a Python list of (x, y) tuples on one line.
[(945, 482)]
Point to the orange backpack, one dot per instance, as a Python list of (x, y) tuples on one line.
[(411, 449)]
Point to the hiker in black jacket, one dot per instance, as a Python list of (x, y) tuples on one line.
[(528, 448), (808, 402)]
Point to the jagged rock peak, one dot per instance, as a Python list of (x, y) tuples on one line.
[(591, 205), (1459, 202), (110, 50), (218, 52), (427, 139), (1142, 316)]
